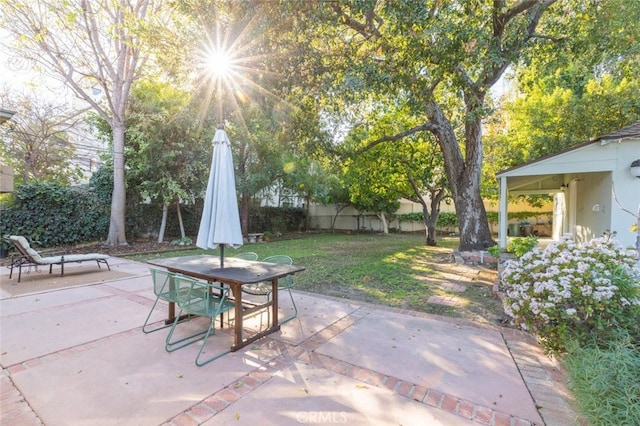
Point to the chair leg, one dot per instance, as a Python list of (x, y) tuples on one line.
[(295, 309), (146, 322), (210, 331), (170, 346), (99, 261)]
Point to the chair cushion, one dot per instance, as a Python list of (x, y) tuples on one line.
[(51, 260), (72, 258), (81, 257), (34, 255)]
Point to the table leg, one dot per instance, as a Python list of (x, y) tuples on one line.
[(172, 313), (274, 304), (238, 341)]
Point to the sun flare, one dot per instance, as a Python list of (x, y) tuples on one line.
[(229, 68), (219, 64)]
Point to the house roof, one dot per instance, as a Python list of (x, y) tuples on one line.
[(5, 115), (632, 131)]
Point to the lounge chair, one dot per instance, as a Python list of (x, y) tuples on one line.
[(29, 257)]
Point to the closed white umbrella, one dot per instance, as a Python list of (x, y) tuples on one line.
[(220, 222)]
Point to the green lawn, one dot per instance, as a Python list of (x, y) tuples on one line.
[(396, 270)]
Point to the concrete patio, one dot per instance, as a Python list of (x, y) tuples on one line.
[(78, 356)]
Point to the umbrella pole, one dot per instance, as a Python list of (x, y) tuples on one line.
[(222, 255)]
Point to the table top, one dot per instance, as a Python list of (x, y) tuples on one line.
[(235, 271)]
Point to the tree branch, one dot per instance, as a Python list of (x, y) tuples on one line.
[(363, 29), (534, 10), (398, 136)]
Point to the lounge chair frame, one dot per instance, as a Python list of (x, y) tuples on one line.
[(28, 257)]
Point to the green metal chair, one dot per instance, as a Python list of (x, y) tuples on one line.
[(164, 289), (264, 288), (247, 256), (196, 297)]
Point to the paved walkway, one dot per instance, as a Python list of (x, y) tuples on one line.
[(77, 356)]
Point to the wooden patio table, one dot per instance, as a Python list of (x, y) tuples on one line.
[(235, 274)]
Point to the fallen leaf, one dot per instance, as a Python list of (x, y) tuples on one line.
[(179, 375), (305, 391), (237, 416), (238, 385), (362, 387)]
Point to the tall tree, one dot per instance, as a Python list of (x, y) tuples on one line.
[(90, 46), (584, 90), (410, 169), (36, 141), (444, 57), (167, 148)]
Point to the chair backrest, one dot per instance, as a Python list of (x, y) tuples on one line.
[(163, 284), (282, 259), (247, 256), (196, 297), (279, 258), (25, 249)]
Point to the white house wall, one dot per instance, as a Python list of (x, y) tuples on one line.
[(627, 189), (593, 209), (600, 170)]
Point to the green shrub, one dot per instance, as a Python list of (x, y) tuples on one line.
[(276, 219), (521, 245), (495, 251), (447, 220), (569, 292), (605, 381), (49, 214)]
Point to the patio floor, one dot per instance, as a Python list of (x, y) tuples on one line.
[(77, 356)]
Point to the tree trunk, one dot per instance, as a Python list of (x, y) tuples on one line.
[(464, 174), (385, 224), (307, 216), (116, 236), (244, 214), (431, 217), (182, 235), (339, 208), (163, 222)]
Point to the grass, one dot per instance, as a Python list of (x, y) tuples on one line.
[(395, 270), (605, 382)]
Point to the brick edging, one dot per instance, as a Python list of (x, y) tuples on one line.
[(305, 352)]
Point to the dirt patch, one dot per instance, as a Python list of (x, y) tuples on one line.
[(133, 247), (37, 280)]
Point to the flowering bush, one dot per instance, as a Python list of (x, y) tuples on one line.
[(566, 291)]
